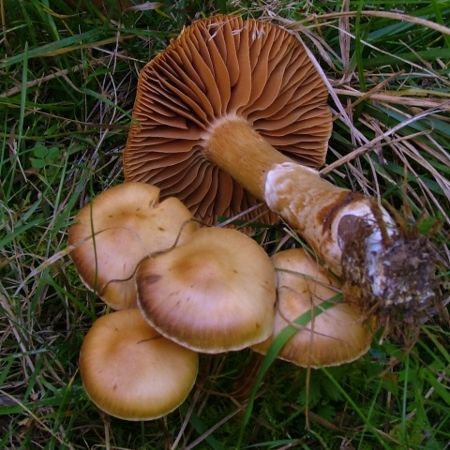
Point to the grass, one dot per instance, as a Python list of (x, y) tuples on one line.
[(68, 75)]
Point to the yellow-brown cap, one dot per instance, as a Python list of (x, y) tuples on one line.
[(114, 232), (131, 372), (218, 68), (336, 336), (213, 294)]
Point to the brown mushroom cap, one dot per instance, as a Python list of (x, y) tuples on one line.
[(219, 68), (213, 294), (336, 336), (131, 372), (128, 223)]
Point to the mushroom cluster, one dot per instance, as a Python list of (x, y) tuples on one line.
[(187, 290), (179, 289), (110, 237), (233, 112)]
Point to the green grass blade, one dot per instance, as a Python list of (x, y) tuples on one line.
[(58, 47), (278, 343)]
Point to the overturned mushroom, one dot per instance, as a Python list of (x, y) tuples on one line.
[(230, 91), (213, 294), (219, 71), (131, 372), (114, 232), (337, 335)]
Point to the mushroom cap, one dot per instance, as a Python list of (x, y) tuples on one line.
[(131, 372), (213, 294), (222, 67), (128, 224), (336, 336)]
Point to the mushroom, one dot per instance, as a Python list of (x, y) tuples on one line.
[(223, 71), (114, 232), (241, 98), (213, 294), (131, 372), (336, 336)]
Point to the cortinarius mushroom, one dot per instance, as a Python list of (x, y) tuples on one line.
[(337, 335), (213, 294), (131, 372), (224, 73), (228, 91), (117, 230)]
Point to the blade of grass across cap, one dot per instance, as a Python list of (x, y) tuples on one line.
[(278, 343)]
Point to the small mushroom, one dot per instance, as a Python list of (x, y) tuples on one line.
[(336, 336), (114, 232), (131, 372), (213, 294)]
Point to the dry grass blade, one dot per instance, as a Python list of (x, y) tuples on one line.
[(345, 41), (369, 145), (398, 98), (383, 14)]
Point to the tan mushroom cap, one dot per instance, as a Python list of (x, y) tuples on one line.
[(213, 294), (336, 336), (219, 68), (131, 372), (128, 224)]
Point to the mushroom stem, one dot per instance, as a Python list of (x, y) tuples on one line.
[(238, 149), (350, 232), (295, 192)]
